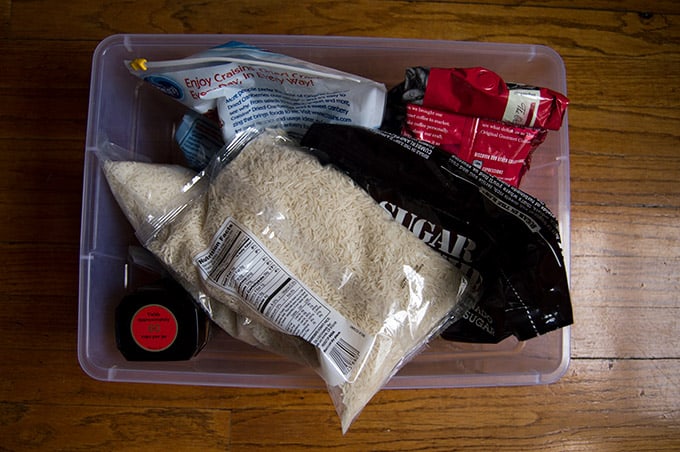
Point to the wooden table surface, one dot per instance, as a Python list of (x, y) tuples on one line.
[(621, 391)]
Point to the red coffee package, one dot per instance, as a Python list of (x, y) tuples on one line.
[(500, 149), (480, 92)]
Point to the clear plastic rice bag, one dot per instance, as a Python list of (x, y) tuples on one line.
[(323, 273)]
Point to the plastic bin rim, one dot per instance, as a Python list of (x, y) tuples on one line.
[(336, 41)]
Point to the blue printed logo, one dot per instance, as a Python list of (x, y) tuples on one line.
[(167, 85)]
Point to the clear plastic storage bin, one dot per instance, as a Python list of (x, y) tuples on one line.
[(127, 112)]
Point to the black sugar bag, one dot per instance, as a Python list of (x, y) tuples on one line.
[(490, 229)]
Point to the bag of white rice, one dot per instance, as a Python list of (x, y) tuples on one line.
[(297, 247)]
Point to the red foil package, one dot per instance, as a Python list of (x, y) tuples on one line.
[(480, 92), (500, 149)]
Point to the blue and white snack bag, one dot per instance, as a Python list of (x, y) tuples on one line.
[(199, 138), (251, 87)]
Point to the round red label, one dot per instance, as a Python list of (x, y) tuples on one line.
[(154, 328)]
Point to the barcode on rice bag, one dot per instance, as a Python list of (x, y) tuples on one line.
[(344, 355), (239, 264)]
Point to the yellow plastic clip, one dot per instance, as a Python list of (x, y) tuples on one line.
[(138, 64)]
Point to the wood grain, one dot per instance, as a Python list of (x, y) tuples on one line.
[(49, 427), (620, 392), (601, 404)]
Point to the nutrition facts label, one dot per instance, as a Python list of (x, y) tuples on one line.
[(241, 265)]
